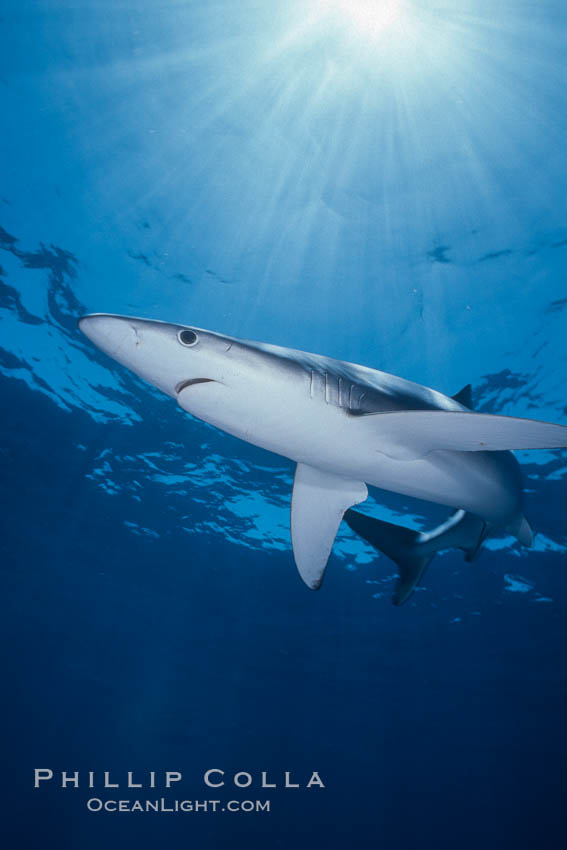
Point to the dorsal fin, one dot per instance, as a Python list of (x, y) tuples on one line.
[(464, 397), (318, 504)]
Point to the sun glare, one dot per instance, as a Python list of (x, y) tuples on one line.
[(368, 17)]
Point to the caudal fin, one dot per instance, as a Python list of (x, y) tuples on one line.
[(399, 544), (412, 551)]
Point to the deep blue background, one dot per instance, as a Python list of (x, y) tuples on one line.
[(268, 171)]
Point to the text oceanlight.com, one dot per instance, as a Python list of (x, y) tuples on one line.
[(95, 804), (215, 778)]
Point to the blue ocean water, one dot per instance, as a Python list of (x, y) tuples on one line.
[(383, 188)]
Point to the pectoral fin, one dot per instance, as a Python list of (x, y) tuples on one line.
[(318, 504), (412, 434)]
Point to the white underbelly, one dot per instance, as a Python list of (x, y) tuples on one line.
[(326, 437)]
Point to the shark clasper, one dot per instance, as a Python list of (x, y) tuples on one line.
[(345, 426)]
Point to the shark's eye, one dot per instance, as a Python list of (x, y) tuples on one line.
[(187, 337)]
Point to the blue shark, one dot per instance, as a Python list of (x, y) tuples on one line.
[(345, 426)]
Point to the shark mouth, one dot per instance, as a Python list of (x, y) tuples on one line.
[(190, 382)]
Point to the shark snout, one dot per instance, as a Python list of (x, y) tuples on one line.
[(162, 354), (110, 333)]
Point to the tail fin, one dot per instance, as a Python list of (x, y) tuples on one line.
[(412, 551), (400, 544)]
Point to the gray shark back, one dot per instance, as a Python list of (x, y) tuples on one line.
[(359, 390)]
